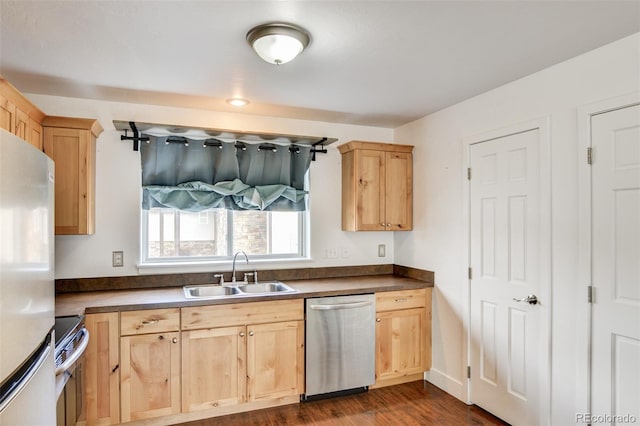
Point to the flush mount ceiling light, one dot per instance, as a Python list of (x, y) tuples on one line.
[(278, 43), (237, 102)]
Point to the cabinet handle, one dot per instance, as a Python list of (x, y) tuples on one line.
[(151, 321), (174, 340), (401, 300), (251, 333), (378, 320), (242, 334)]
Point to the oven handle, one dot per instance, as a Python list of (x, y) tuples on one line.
[(76, 354)]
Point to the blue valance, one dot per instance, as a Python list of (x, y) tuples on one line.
[(196, 176)]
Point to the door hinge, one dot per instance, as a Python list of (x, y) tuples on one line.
[(589, 155), (468, 371), (470, 273), (468, 173), (590, 294)]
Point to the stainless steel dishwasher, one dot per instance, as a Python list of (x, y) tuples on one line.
[(340, 344)]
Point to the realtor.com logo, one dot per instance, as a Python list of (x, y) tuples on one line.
[(589, 418)]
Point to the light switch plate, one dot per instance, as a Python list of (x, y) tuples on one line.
[(117, 258), (382, 250)]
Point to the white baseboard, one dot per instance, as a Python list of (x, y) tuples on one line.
[(447, 383)]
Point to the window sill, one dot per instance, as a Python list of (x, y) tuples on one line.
[(149, 268)]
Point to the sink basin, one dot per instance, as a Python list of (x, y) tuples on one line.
[(216, 291), (209, 291), (266, 287)]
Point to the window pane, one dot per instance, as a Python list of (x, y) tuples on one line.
[(203, 233), (218, 233), (285, 227), (250, 232)]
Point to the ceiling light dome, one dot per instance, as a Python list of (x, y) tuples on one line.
[(278, 43)]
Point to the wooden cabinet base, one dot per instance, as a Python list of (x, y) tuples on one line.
[(219, 411), (397, 380)]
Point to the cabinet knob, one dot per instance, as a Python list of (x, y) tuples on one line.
[(251, 333), (378, 320), (242, 334), (174, 340)]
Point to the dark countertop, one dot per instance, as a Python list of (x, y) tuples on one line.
[(173, 297)]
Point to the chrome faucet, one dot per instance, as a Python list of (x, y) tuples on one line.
[(235, 256)]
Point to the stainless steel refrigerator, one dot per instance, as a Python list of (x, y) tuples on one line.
[(27, 377)]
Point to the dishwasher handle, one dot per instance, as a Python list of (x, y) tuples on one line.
[(340, 306)]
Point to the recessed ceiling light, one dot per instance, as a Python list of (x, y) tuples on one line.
[(278, 43), (237, 102)]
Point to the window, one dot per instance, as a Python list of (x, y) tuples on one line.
[(171, 235)]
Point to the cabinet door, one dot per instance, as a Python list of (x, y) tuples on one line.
[(370, 181), (275, 360), (21, 125), (36, 136), (73, 151), (400, 343), (399, 191), (101, 370), (150, 381), (7, 115), (213, 368)]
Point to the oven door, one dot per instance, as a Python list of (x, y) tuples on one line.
[(70, 408)]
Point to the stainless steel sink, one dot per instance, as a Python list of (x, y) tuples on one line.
[(266, 288), (209, 291), (216, 291)]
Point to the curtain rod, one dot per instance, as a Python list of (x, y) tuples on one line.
[(318, 144)]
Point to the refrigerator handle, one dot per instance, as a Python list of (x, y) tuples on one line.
[(340, 306), (77, 353), (27, 375)]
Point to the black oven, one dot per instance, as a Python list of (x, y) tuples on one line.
[(72, 339)]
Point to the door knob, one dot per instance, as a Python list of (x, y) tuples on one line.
[(531, 299)]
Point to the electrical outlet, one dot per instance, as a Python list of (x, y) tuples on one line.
[(117, 258), (332, 253), (382, 250)]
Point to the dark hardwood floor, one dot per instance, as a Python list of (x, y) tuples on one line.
[(416, 403)]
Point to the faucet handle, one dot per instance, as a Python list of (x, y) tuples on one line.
[(246, 276), (221, 276), (255, 277)]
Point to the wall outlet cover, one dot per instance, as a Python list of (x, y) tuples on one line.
[(117, 259)]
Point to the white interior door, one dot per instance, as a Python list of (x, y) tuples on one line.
[(615, 236), (505, 222)]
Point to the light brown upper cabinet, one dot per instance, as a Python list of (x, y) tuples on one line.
[(19, 116), (71, 143), (377, 186)]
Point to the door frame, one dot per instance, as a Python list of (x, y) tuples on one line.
[(583, 310), (543, 125)]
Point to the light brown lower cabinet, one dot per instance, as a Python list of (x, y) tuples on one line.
[(275, 360), (237, 364), (403, 335), (198, 362), (102, 370), (150, 375), (213, 368)]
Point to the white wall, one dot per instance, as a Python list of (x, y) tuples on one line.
[(438, 242), (118, 188)]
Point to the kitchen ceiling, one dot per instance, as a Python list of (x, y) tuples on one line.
[(379, 63)]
